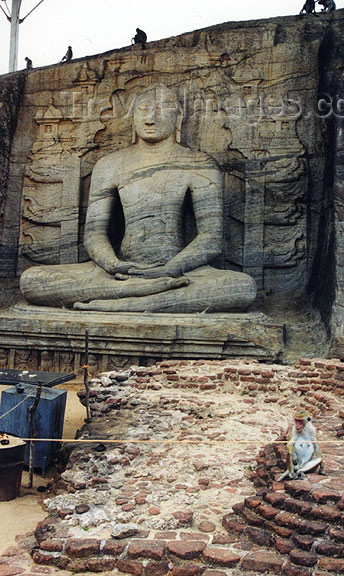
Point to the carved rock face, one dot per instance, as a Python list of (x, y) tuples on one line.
[(249, 95), (155, 114)]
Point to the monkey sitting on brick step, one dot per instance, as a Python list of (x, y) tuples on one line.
[(303, 451)]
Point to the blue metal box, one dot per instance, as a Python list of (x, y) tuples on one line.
[(48, 419)]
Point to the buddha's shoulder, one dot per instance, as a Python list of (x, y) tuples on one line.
[(196, 156), (129, 155), (116, 156)]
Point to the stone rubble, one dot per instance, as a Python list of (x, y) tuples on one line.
[(175, 474)]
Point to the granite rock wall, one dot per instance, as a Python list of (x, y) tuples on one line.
[(264, 98), (11, 90)]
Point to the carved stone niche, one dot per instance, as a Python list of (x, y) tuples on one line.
[(69, 361), (4, 354), (48, 120), (25, 359), (41, 225)]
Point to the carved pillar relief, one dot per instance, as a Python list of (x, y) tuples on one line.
[(50, 228), (69, 241), (275, 222)]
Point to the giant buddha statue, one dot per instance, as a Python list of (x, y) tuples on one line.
[(153, 269)]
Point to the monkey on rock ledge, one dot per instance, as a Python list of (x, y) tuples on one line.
[(303, 451)]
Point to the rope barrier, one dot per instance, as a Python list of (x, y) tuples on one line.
[(122, 441), (197, 441), (16, 406)]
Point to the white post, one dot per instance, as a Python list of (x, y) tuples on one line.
[(14, 37)]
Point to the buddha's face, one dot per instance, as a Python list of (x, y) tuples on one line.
[(155, 115)]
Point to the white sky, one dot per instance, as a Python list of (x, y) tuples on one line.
[(95, 26)]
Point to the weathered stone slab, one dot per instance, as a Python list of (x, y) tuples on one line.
[(51, 337)]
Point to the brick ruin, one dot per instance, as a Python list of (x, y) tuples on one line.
[(199, 507)]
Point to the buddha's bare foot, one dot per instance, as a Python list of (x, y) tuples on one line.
[(102, 305), (117, 305), (139, 301), (80, 306), (180, 282)]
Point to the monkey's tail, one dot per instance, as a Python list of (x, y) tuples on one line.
[(284, 475)]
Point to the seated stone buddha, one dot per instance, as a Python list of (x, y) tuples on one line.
[(153, 269)]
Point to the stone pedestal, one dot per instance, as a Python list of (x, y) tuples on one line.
[(42, 338)]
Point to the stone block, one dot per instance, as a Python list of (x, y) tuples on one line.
[(78, 565), (186, 549), (289, 569), (327, 548), (154, 549), (187, 336), (324, 495), (283, 546), (276, 499), (45, 529), (184, 517), (221, 556), (336, 533), (8, 570), (52, 545), (252, 518), (298, 488), (326, 513), (157, 569), (261, 561), (303, 541), (206, 526), (303, 557), (129, 567), (101, 564), (313, 528), (113, 548), (82, 548), (335, 565), (297, 506), (259, 536), (268, 512), (288, 520), (188, 569), (281, 531), (43, 558), (253, 501)]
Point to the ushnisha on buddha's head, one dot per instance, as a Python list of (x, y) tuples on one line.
[(157, 114)]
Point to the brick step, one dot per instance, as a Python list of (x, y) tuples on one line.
[(305, 490), (289, 512), (300, 554), (270, 464), (299, 517), (279, 501), (307, 542)]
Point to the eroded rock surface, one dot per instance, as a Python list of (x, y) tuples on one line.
[(262, 98)]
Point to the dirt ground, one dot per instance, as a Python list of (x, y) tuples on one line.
[(21, 515)]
